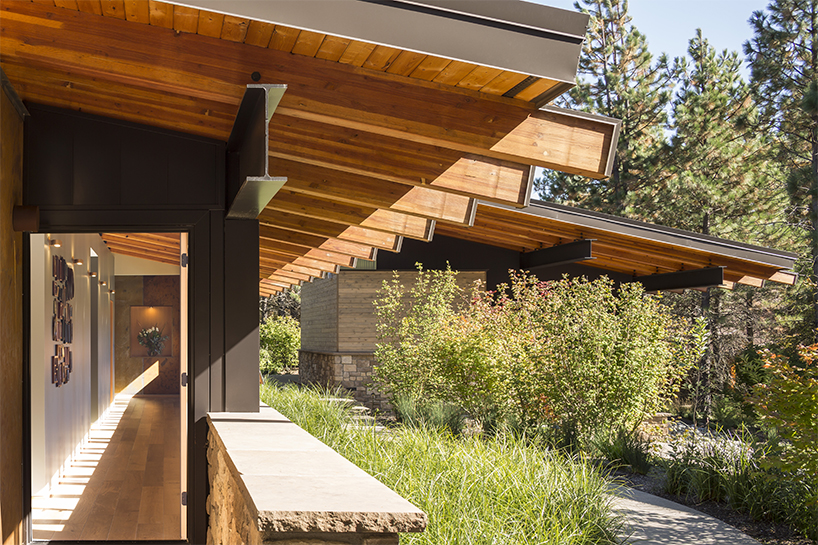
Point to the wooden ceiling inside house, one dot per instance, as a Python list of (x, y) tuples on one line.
[(377, 143), (159, 247)]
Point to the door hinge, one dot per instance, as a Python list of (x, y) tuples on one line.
[(184, 498), (184, 260), (184, 379)]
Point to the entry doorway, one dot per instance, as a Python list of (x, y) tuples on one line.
[(108, 409)]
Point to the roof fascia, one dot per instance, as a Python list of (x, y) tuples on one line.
[(659, 233), (509, 35)]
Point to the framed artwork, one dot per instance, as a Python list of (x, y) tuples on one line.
[(62, 326), (151, 331)]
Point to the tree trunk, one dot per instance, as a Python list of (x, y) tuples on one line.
[(705, 365), (814, 223), (750, 331)]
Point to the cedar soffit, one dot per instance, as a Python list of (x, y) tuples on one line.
[(378, 142)]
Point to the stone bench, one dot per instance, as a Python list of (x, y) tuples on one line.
[(272, 482)]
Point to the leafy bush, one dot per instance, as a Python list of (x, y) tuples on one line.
[(570, 356), (429, 348), (728, 412), (475, 491), (279, 341), (625, 449), (789, 403)]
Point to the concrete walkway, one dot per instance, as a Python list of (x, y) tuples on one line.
[(652, 520)]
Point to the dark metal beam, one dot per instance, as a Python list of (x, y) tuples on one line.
[(696, 278), (571, 252), (249, 185), (522, 37)]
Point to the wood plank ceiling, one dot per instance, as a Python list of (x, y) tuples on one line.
[(377, 143), (631, 253)]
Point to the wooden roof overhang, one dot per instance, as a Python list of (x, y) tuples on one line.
[(621, 245), (398, 116)]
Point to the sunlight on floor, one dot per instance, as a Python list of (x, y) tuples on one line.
[(49, 512)]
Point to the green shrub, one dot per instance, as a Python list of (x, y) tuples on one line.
[(475, 491), (728, 412), (789, 403), (279, 341), (569, 357)]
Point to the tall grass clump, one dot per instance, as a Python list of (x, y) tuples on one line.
[(474, 490), (625, 449), (727, 468), (433, 414)]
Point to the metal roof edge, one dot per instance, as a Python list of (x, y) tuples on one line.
[(509, 35), (659, 233)]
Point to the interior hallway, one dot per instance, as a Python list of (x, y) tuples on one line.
[(125, 484)]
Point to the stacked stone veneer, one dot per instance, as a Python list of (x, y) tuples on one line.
[(350, 371), (231, 517), (272, 482)]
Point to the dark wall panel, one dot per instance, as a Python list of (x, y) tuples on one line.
[(84, 160), (49, 160), (216, 317), (97, 163), (145, 170), (191, 169)]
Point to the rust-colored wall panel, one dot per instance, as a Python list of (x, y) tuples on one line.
[(11, 326), (164, 291), (146, 291)]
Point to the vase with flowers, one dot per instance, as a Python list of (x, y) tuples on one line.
[(152, 339)]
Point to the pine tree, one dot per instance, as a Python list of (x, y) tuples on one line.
[(783, 57), (711, 177), (618, 78)]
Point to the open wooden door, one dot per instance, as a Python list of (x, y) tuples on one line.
[(183, 368)]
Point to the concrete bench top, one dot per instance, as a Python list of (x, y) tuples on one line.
[(298, 484)]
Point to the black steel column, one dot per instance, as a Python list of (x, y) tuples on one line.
[(241, 337)]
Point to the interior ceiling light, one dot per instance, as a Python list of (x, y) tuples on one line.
[(103, 283), (77, 262), (55, 242), (112, 292), (92, 274)]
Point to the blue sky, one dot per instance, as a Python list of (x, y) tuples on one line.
[(669, 24)]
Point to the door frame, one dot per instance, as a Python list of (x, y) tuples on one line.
[(191, 519)]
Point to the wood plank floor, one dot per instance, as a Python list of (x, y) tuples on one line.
[(125, 485)]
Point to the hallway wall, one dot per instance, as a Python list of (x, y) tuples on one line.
[(62, 416)]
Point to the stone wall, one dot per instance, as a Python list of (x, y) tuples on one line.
[(231, 520), (350, 371), (272, 482)]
